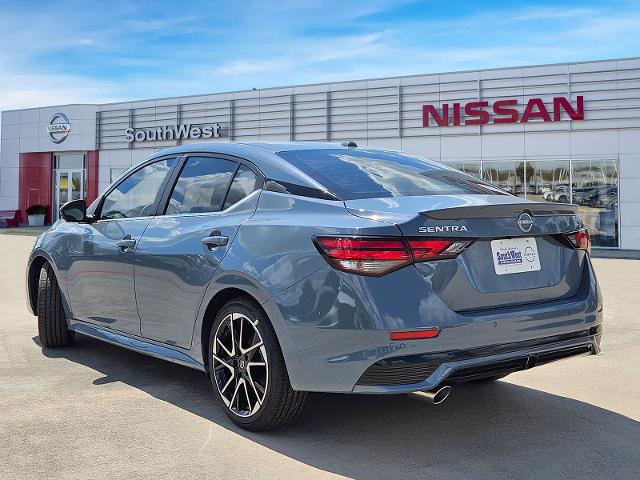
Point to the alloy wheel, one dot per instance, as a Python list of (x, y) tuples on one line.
[(240, 365)]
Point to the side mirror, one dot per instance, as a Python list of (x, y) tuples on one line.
[(74, 211)]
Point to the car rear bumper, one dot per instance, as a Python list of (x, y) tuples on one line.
[(331, 342), (450, 368)]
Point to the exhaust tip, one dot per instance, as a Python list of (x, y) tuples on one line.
[(441, 395), (436, 397)]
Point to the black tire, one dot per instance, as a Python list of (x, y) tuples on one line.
[(280, 404), (52, 321)]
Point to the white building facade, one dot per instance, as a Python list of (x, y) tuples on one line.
[(561, 133)]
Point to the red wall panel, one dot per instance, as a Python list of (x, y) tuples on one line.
[(92, 161), (35, 182)]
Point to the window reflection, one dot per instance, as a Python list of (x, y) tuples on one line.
[(472, 168), (592, 185), (595, 192), (548, 181), (507, 175), (202, 186), (135, 196)]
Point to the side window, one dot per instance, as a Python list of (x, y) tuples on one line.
[(202, 185), (243, 184), (136, 195)]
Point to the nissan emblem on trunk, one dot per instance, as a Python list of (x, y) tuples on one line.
[(525, 222), (59, 128)]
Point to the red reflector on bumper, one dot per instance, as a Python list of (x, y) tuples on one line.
[(415, 334)]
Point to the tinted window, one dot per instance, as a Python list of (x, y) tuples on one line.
[(243, 184), (202, 186), (352, 174), (136, 195)]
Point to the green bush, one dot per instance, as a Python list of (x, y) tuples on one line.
[(36, 210)]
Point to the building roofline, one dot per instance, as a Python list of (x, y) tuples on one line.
[(373, 79)]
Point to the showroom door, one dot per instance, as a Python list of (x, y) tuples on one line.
[(69, 185)]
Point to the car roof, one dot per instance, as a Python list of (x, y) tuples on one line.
[(288, 146), (257, 147), (262, 154)]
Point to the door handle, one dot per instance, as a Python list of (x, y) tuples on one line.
[(126, 243), (215, 241)]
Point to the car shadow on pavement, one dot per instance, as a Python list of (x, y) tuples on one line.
[(497, 430)]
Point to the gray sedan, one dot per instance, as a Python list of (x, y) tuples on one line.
[(283, 269)]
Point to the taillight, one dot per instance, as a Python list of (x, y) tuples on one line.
[(580, 240), (424, 249), (414, 334), (372, 256), (375, 256)]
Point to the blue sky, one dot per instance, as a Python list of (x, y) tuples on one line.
[(80, 51)]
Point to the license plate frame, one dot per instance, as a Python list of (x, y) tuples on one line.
[(515, 255)]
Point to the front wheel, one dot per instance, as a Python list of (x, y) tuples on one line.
[(52, 321), (247, 369)]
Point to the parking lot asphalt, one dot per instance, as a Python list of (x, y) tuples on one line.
[(99, 411)]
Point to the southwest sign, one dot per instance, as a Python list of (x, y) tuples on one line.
[(504, 111), (172, 132)]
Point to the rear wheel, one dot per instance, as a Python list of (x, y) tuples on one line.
[(52, 321), (248, 372)]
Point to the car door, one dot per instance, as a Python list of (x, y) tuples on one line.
[(100, 280), (180, 250)]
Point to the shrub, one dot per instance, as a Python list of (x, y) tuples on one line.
[(36, 210)]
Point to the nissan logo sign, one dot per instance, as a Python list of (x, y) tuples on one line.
[(525, 222), (59, 128)]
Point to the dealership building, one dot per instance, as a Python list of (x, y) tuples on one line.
[(565, 133)]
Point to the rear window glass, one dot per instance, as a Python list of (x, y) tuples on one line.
[(353, 174), (242, 185), (202, 186)]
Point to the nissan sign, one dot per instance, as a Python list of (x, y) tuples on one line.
[(504, 111), (59, 128), (172, 132)]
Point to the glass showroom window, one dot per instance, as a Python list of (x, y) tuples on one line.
[(595, 191), (472, 168), (69, 161), (549, 181), (590, 184), (507, 175)]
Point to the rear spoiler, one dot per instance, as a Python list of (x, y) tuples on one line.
[(500, 211)]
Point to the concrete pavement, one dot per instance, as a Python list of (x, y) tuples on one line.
[(98, 411)]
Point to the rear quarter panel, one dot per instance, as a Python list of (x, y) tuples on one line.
[(274, 250)]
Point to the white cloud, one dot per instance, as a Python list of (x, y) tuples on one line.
[(243, 67), (29, 90), (312, 52), (112, 51)]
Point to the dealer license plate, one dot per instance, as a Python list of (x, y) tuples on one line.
[(515, 255)]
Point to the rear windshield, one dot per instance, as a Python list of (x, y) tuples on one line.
[(353, 174)]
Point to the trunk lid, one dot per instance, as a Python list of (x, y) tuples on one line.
[(467, 216), (470, 281)]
